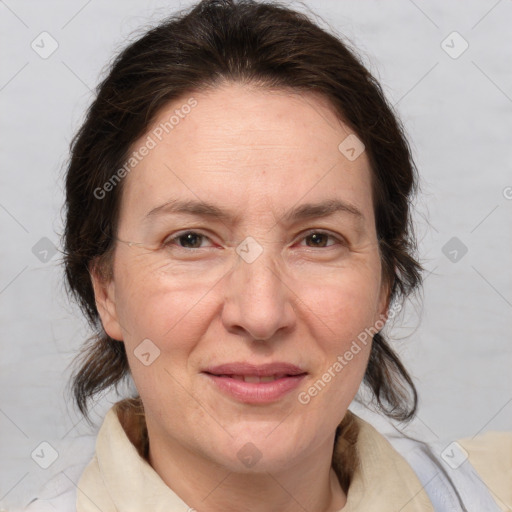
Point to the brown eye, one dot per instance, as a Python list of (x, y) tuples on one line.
[(186, 240), (320, 239)]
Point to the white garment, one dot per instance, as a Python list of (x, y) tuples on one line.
[(448, 489)]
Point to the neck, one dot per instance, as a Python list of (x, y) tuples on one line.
[(206, 486)]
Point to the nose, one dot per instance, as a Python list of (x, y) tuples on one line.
[(258, 303)]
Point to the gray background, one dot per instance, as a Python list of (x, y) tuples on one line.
[(455, 339)]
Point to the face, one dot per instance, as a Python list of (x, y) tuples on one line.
[(253, 246)]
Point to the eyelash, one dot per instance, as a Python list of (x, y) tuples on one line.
[(169, 241)]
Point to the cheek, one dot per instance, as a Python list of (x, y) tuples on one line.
[(347, 302), (163, 321), (166, 318), (152, 303), (343, 312)]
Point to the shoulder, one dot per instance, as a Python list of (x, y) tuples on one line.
[(491, 456), (59, 493), (473, 473)]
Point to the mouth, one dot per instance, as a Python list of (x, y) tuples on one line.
[(255, 378), (254, 384), (246, 369)]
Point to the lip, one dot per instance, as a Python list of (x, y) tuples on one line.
[(261, 370), (290, 377)]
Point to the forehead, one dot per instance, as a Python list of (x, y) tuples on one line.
[(250, 148)]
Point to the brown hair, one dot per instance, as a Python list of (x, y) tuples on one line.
[(261, 43)]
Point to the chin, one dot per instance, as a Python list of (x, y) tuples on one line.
[(257, 452)]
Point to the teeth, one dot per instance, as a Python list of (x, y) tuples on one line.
[(251, 378), (255, 378)]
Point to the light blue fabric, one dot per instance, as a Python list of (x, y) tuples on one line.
[(450, 489)]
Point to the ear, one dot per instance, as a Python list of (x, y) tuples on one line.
[(105, 296), (384, 300)]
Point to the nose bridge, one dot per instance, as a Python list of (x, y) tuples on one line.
[(257, 298), (258, 269)]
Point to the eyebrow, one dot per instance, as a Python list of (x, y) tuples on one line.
[(302, 212)]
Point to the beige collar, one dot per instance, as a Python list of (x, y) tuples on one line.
[(118, 479)]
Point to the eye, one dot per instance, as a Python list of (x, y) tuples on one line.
[(193, 240), (320, 238), (189, 239)]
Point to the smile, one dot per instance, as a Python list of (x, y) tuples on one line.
[(254, 389), (255, 378)]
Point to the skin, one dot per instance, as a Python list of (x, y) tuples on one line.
[(257, 153)]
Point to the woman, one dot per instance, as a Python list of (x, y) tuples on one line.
[(238, 232)]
